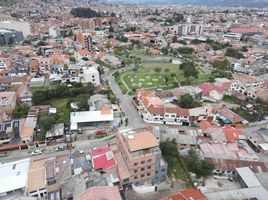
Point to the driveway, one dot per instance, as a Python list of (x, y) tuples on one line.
[(131, 113)]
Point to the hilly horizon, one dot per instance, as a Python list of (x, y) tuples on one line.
[(236, 3)]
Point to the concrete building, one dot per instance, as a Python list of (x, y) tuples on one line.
[(142, 157), (14, 177), (85, 39), (9, 36), (186, 29), (20, 26), (91, 75)]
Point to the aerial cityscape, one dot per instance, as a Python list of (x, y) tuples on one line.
[(133, 100)]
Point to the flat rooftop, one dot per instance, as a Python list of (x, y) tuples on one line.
[(138, 140), (14, 175)]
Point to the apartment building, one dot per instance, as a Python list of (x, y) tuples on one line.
[(85, 39), (142, 156), (186, 29)]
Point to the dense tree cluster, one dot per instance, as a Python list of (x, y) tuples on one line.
[(61, 91), (186, 50), (222, 65), (84, 13), (191, 161), (234, 53)]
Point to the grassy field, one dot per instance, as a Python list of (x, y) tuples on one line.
[(166, 76), (63, 112)]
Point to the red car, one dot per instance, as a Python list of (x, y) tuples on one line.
[(100, 132)]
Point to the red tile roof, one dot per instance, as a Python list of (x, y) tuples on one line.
[(244, 30), (232, 133), (100, 193), (190, 194)]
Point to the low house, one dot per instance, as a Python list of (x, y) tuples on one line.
[(102, 159), (8, 131), (94, 193), (233, 134), (82, 54), (214, 91), (104, 116), (37, 81), (37, 179), (153, 52), (56, 133)]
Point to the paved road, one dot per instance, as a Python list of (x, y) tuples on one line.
[(50, 150), (131, 113)]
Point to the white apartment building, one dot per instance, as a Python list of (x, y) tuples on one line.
[(91, 75)]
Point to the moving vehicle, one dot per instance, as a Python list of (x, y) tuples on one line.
[(36, 152)]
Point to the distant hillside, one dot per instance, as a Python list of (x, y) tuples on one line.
[(245, 3)]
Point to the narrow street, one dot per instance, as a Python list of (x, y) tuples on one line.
[(131, 113)]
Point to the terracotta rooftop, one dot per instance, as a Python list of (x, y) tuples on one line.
[(141, 140), (100, 193), (37, 175)]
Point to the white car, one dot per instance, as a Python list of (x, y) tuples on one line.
[(36, 152), (61, 148)]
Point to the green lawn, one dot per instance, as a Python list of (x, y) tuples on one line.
[(230, 99), (137, 80), (148, 77)]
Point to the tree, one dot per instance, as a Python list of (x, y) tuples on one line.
[(164, 50), (234, 53), (190, 71), (175, 39), (186, 50), (84, 13), (187, 101), (20, 111), (195, 41), (223, 65), (202, 168), (169, 148), (157, 69)]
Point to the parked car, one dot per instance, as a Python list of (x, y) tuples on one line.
[(61, 148), (36, 152), (100, 132)]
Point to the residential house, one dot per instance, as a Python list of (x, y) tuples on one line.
[(189, 194), (56, 133), (214, 91), (94, 193), (44, 65), (34, 66), (82, 54)]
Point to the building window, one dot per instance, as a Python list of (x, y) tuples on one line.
[(142, 162), (135, 164), (149, 167), (149, 160), (142, 169), (162, 170), (156, 172), (135, 170), (142, 175), (135, 177), (148, 174)]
